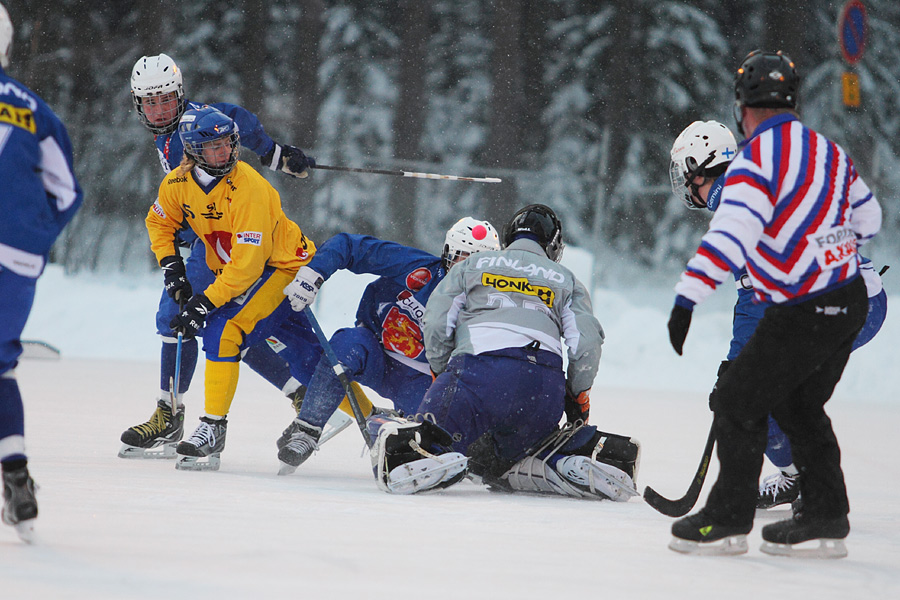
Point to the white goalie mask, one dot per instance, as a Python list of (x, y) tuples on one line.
[(466, 237), (157, 90), (703, 149), (6, 37)]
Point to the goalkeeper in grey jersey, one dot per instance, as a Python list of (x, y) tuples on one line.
[(493, 330)]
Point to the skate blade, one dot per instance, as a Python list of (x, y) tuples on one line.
[(25, 530), (728, 546), (819, 548), (424, 474), (286, 469), (336, 424), (198, 463), (782, 511), (166, 451)]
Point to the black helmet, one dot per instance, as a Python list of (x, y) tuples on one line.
[(541, 222), (767, 80)]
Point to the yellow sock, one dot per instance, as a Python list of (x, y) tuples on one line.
[(221, 382), (364, 403)]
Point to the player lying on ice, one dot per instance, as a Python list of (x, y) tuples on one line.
[(493, 330)]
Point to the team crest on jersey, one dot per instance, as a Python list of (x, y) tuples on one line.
[(418, 279), (399, 333), (253, 238), (211, 212), (520, 285), (159, 210), (220, 242)]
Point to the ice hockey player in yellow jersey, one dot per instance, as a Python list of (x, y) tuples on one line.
[(251, 246)]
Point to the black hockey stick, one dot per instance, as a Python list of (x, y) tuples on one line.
[(410, 174), (680, 507), (341, 375)]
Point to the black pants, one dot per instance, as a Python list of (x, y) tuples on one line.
[(788, 368)]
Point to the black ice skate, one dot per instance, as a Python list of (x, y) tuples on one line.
[(778, 489), (789, 537), (19, 504), (157, 437), (207, 442), (700, 534), (338, 422), (302, 441)]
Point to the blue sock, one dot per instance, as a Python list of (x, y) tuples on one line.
[(188, 363)]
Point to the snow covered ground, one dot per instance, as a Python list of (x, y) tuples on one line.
[(111, 528)]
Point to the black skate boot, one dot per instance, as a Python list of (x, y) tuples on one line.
[(700, 534), (303, 440), (784, 538), (778, 489), (157, 437), (19, 504), (207, 442)]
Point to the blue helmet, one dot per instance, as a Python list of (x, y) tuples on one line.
[(204, 125)]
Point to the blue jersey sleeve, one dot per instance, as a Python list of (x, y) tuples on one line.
[(366, 254), (253, 136)]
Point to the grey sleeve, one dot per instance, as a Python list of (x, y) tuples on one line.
[(441, 315), (584, 338)]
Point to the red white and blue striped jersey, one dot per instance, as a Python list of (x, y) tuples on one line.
[(793, 211)]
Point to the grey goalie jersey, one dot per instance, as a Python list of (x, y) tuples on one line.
[(509, 299)]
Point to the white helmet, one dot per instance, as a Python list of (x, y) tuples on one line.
[(466, 237), (6, 37), (703, 149), (157, 76)]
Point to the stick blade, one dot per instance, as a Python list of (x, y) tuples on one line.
[(670, 508)]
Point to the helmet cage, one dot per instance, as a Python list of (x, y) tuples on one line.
[(468, 236), (204, 126)]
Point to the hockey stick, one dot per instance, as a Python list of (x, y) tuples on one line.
[(341, 375), (410, 174), (680, 507), (173, 381)]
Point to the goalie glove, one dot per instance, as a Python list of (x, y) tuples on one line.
[(290, 160), (193, 317), (303, 289), (578, 406), (177, 285)]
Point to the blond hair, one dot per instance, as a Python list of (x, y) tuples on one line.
[(187, 163)]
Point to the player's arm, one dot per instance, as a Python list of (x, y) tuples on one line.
[(440, 321)]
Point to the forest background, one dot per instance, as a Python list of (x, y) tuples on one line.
[(574, 103)]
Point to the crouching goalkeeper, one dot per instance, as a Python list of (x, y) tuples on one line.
[(493, 330)]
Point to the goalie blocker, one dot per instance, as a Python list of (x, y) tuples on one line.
[(577, 461)]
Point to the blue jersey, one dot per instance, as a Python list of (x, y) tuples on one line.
[(39, 194), (253, 136), (393, 306)]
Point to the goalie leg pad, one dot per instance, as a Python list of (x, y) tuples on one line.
[(531, 474), (597, 478), (436, 472), (409, 457)]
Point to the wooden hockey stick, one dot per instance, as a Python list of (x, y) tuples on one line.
[(680, 507), (410, 174), (341, 375)]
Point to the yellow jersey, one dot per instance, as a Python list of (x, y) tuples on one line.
[(239, 220)]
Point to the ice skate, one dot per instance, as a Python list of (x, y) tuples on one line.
[(699, 534), (598, 478), (157, 437), (302, 442), (778, 489), (410, 457), (806, 537), (19, 504), (338, 422), (202, 451)]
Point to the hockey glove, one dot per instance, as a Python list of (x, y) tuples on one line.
[(177, 285), (303, 289), (578, 406), (193, 317), (679, 323), (290, 160)]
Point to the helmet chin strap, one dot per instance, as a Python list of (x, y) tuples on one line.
[(695, 189)]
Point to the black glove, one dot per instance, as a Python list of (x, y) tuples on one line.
[(679, 323), (177, 285), (193, 316), (290, 160), (578, 406)]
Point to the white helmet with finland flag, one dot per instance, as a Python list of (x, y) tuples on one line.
[(703, 149)]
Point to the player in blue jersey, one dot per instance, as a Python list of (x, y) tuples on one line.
[(158, 93), (700, 155), (793, 210), (385, 350), (39, 196)]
